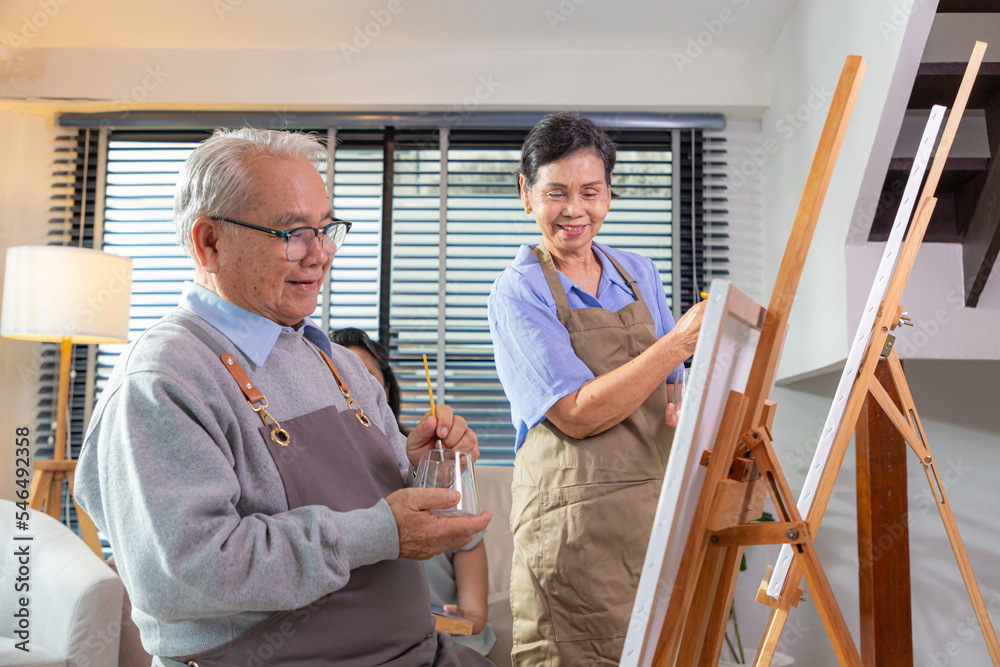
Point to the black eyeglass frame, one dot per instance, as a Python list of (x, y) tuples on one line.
[(286, 235)]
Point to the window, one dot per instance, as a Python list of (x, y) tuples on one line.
[(415, 273)]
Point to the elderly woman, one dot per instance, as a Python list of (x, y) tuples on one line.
[(585, 348)]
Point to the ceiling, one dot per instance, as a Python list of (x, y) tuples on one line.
[(572, 25)]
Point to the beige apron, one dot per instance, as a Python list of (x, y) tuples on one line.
[(582, 510)]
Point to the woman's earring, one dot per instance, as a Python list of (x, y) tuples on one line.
[(527, 209)]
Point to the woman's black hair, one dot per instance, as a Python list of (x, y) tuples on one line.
[(352, 337), (559, 135)]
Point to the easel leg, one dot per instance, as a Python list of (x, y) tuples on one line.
[(772, 633), (692, 649), (944, 507), (826, 604), (38, 491), (723, 601), (53, 502), (884, 569), (686, 604)]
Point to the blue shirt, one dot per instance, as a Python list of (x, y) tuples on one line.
[(253, 334), (534, 357)]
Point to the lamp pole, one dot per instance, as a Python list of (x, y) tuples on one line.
[(46, 487)]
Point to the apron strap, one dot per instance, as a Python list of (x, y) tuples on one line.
[(552, 278), (555, 286), (629, 280), (358, 412), (250, 391)]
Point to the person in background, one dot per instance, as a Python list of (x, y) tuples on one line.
[(459, 578), (376, 359), (247, 473), (585, 348)]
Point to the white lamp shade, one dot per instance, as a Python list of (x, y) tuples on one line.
[(51, 293)]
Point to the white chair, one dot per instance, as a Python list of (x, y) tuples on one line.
[(74, 602)]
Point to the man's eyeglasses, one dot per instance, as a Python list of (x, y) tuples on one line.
[(299, 241)]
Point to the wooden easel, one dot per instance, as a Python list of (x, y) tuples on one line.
[(742, 464), (906, 422)]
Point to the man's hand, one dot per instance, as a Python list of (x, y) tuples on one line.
[(452, 430), (422, 534)]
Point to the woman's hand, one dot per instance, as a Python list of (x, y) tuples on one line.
[(453, 432), (685, 332), (673, 413), (606, 400)]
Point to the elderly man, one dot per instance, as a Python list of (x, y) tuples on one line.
[(248, 474)]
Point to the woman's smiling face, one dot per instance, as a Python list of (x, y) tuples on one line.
[(569, 200)]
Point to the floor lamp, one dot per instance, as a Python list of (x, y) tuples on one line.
[(65, 295)]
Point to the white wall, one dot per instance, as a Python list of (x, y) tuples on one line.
[(804, 67), (393, 54), (943, 328), (25, 167), (745, 265)]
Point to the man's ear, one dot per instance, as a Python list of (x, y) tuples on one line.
[(205, 239)]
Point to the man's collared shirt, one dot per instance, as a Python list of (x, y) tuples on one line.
[(253, 334)]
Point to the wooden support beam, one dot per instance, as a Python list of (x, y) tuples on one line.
[(794, 532), (981, 243), (938, 83), (883, 534)]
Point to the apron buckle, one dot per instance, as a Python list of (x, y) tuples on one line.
[(280, 436)]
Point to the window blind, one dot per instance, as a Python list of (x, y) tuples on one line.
[(76, 180), (355, 282), (387, 281), (702, 216)]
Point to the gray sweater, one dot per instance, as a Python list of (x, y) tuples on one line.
[(175, 473)]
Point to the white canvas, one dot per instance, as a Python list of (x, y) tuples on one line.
[(721, 363)]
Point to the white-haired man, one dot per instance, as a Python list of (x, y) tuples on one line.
[(248, 474)]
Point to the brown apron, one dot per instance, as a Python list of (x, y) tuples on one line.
[(582, 510), (382, 615)]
